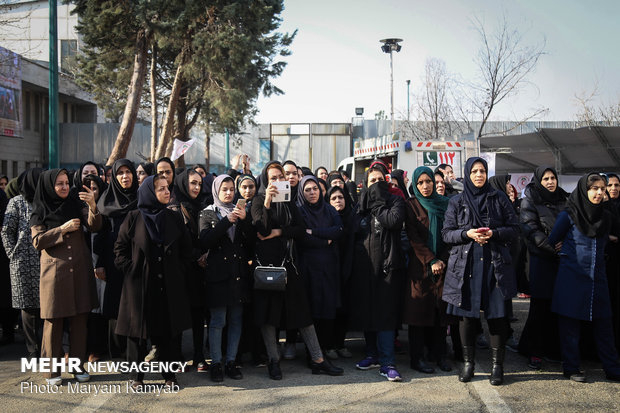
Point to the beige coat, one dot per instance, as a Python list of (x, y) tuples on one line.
[(67, 285)]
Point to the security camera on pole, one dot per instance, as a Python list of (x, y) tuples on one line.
[(389, 46)]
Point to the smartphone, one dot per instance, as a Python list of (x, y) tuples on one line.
[(284, 191), (482, 230), (241, 203)]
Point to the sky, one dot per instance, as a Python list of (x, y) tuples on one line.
[(337, 64)]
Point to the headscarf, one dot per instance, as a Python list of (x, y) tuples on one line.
[(201, 166), (100, 184), (279, 210), (615, 202), (77, 177), (347, 195), (435, 205), (29, 184), (332, 176), (169, 161), (315, 215), (589, 218), (12, 188), (181, 191), (498, 182), (153, 212), (476, 198), (348, 202), (316, 171), (116, 201), (539, 189), (375, 195), (399, 176), (245, 178), (51, 210), (223, 209), (148, 167)]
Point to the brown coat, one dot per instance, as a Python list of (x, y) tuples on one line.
[(423, 299), (67, 285)]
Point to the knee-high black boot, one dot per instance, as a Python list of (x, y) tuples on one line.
[(468, 334), (497, 373)]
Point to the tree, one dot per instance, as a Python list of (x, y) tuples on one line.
[(591, 114)]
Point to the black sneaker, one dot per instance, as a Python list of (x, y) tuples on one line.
[(217, 375), (233, 371)]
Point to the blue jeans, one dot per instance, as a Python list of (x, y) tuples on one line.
[(380, 345), (234, 314)]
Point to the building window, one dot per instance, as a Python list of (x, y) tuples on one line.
[(65, 113), (26, 110), (5, 168), (28, 165), (68, 50), (37, 113), (15, 169)]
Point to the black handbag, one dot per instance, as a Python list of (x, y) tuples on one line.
[(270, 278)]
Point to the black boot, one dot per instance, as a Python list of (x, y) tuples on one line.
[(327, 368), (274, 370), (421, 366), (497, 373), (469, 353)]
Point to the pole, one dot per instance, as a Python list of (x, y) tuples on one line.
[(227, 148), (53, 88), (392, 92), (408, 83)]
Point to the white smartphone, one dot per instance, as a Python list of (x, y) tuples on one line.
[(284, 191)]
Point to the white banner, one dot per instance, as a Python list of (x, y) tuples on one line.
[(180, 148)]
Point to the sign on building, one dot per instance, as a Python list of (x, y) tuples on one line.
[(10, 93)]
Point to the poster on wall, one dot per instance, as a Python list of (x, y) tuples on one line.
[(10, 93)]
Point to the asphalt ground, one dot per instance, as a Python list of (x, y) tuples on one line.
[(525, 390)]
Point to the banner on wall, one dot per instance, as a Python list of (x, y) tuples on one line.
[(10, 93), (180, 147)]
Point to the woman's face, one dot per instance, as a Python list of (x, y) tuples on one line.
[(613, 187), (89, 169), (247, 189), (142, 175), (201, 171), (61, 186), (322, 173), (227, 192), (338, 182), (275, 174), (162, 193), (95, 189), (374, 177), (124, 177), (194, 184), (510, 192), (108, 175), (165, 169), (548, 181), (311, 192), (3, 183), (478, 174), (425, 185), (337, 200), (440, 184), (323, 189), (596, 192)]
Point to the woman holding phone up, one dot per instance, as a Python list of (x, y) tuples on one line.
[(479, 224)]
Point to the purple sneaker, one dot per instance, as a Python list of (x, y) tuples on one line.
[(390, 372), (368, 363)]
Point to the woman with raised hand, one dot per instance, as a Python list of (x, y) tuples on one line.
[(323, 229), (543, 201), (279, 224), (67, 286), (479, 225), (378, 271), (424, 310), (152, 251), (580, 235), (224, 232)]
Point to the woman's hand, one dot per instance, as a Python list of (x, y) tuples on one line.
[(71, 225), (480, 237), (438, 267), (274, 233), (202, 261), (271, 191), (100, 273), (613, 238), (89, 198), (558, 246), (239, 212)]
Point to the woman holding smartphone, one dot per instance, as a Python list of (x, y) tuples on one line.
[(479, 225)]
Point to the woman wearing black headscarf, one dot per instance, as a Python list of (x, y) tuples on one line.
[(87, 168), (378, 271), (24, 260), (613, 256), (279, 224), (144, 170), (479, 224), (323, 229), (399, 177), (152, 251), (544, 199), (188, 192), (164, 166), (67, 287), (581, 293)]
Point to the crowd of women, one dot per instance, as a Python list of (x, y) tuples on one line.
[(110, 260)]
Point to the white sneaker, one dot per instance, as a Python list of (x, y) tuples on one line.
[(54, 381), (82, 377)]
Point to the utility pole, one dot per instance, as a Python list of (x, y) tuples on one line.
[(389, 46), (408, 83)]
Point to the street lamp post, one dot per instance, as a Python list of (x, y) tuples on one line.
[(389, 46), (408, 83)]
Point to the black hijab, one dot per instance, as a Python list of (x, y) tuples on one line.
[(152, 211), (148, 167), (315, 215), (375, 195), (51, 210), (280, 210), (543, 193), (348, 202), (77, 177), (29, 183), (100, 184), (174, 173), (115, 200), (181, 191), (498, 182), (615, 202), (589, 218), (399, 176), (476, 198)]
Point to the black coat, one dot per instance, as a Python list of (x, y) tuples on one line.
[(103, 256), (537, 218), (289, 309), (227, 272), (378, 268), (154, 298)]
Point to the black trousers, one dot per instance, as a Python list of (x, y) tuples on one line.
[(498, 331), (325, 332), (433, 336), (543, 336), (32, 325), (136, 351)]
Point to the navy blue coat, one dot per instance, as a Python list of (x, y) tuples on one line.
[(502, 221), (581, 289)]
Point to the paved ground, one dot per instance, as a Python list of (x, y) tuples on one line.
[(356, 391)]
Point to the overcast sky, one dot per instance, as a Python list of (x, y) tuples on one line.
[(337, 63)]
